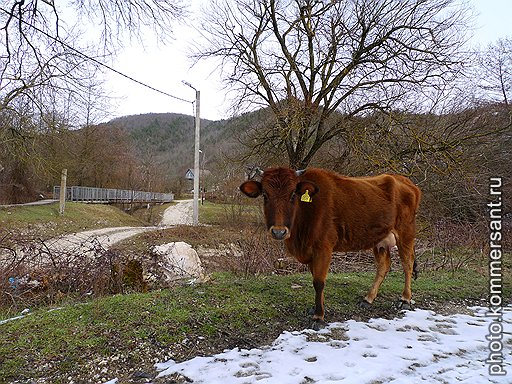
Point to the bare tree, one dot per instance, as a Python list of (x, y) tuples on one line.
[(39, 51), (307, 59), (49, 74), (494, 69), (117, 16)]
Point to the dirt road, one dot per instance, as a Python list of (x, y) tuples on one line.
[(178, 214)]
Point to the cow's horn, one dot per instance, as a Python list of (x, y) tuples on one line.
[(259, 171), (300, 172)]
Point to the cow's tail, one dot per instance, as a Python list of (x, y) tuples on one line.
[(415, 267)]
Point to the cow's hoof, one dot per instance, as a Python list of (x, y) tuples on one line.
[(405, 306), (363, 304), (317, 325)]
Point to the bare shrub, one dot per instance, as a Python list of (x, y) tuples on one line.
[(256, 254), (34, 272), (354, 262), (452, 245), (444, 245), (237, 212)]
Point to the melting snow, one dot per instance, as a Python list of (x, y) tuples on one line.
[(420, 347)]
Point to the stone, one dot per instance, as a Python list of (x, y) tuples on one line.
[(178, 261)]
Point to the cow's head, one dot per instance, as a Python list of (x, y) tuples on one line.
[(283, 190)]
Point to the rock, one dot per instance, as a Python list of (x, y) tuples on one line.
[(141, 375), (177, 261)]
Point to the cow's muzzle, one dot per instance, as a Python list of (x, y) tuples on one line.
[(279, 233)]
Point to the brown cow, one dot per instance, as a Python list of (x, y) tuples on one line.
[(317, 212)]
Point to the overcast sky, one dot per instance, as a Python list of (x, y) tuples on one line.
[(164, 67)]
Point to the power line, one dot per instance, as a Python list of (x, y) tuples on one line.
[(100, 63)]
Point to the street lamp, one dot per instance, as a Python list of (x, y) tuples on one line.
[(195, 219)]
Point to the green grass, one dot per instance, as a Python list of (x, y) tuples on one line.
[(210, 213), (224, 313), (228, 214), (45, 219)]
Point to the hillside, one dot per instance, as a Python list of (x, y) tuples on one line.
[(153, 152), (164, 143), (143, 152), (169, 138), (162, 137), (413, 144)]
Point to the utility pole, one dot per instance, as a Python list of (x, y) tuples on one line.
[(195, 220)]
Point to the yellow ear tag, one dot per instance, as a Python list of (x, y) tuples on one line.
[(306, 198)]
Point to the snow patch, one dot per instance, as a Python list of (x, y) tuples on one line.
[(420, 347)]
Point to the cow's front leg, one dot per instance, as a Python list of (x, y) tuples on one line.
[(319, 267), (318, 314)]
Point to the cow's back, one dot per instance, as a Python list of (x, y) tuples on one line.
[(353, 213)]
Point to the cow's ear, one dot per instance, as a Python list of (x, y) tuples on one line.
[(304, 186), (251, 188)]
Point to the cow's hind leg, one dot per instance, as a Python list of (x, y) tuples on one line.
[(383, 262), (406, 252)]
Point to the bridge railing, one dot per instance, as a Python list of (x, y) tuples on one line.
[(111, 195)]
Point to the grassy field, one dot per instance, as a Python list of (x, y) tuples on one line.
[(225, 214), (99, 338), (44, 220)]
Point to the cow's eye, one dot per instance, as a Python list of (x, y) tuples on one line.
[(292, 197), (265, 196)]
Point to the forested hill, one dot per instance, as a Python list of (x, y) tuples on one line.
[(168, 138), (159, 131), (162, 138), (164, 142)]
